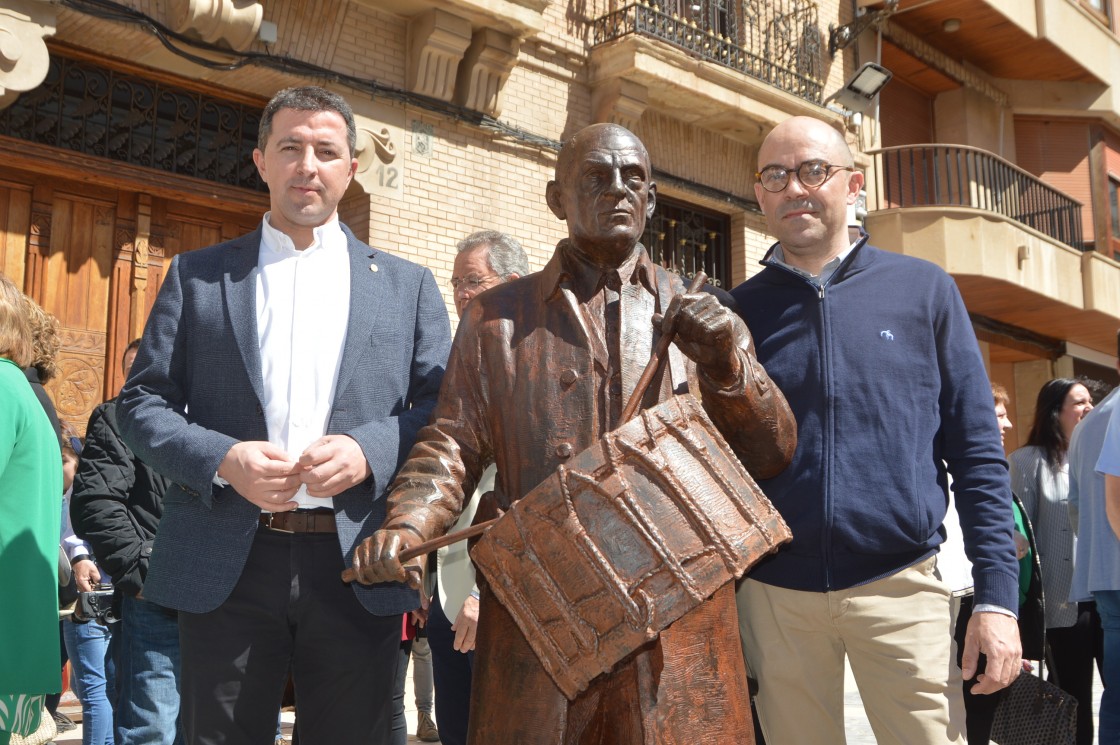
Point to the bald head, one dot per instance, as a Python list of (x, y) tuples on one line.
[(805, 131), (810, 222), (603, 189), (591, 136)]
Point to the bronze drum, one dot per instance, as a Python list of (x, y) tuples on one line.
[(626, 538)]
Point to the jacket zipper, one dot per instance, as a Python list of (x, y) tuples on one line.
[(826, 467)]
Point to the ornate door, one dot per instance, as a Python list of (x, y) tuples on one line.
[(95, 258), (68, 273)]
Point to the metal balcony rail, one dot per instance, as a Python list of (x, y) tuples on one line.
[(961, 176), (777, 42), (98, 111)]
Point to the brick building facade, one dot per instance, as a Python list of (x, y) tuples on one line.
[(125, 123)]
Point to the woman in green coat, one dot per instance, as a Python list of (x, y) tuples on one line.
[(30, 485)]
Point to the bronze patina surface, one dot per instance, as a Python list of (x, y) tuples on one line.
[(539, 373)]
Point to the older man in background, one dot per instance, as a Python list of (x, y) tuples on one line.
[(485, 259)]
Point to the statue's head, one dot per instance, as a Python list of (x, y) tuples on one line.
[(604, 190)]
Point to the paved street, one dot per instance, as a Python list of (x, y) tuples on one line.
[(858, 730)]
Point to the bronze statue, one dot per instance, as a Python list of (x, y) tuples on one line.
[(538, 375)]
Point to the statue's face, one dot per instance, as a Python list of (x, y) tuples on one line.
[(604, 192)]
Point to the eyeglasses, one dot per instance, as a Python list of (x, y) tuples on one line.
[(811, 173), (471, 282)]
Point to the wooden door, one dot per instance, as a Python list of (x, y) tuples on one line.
[(95, 258), (68, 274)]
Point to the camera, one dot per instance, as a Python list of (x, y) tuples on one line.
[(96, 605)]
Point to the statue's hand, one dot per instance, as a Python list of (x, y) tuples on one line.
[(376, 559), (707, 332)]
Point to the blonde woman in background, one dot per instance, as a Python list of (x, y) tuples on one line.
[(41, 368)]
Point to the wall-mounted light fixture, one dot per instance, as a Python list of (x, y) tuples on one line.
[(841, 37), (858, 93)]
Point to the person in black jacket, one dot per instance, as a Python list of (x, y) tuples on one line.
[(116, 507)]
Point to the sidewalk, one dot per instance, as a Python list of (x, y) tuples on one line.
[(71, 708), (858, 730)]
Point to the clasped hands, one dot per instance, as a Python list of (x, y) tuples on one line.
[(266, 475), (707, 333)]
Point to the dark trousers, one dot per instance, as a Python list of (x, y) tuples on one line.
[(1072, 651), (289, 611), (452, 672), (980, 709)]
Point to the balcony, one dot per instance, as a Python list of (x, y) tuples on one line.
[(960, 176), (1012, 243), (1052, 57), (733, 67), (780, 47), (1050, 40)]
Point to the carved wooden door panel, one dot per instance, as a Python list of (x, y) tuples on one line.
[(15, 225), (150, 232), (95, 257), (177, 228), (69, 264)]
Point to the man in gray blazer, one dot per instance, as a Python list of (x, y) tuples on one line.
[(282, 379)]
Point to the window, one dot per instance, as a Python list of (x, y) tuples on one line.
[(1114, 206), (1101, 9), (685, 239), (112, 114)]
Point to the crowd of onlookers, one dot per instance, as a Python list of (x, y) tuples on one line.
[(1066, 547)]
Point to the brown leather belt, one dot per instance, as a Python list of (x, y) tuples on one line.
[(300, 521)]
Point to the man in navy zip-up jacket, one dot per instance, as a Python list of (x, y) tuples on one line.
[(876, 355)]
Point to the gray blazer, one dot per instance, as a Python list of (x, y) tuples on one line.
[(196, 389), (1044, 492)]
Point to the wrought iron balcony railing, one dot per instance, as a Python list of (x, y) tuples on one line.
[(961, 176), (777, 42), (110, 114)]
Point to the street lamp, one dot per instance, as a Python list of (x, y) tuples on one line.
[(858, 93)]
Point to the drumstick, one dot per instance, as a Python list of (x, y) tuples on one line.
[(656, 359), (428, 546), (654, 363)]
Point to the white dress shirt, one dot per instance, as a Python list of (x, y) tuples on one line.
[(303, 307)]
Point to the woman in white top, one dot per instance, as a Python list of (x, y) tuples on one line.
[(1040, 477)]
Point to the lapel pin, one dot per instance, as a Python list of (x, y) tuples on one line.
[(373, 267)]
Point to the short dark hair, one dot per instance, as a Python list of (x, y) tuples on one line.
[(132, 347), (506, 255), (308, 98)]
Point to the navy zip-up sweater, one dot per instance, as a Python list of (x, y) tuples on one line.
[(884, 375)]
